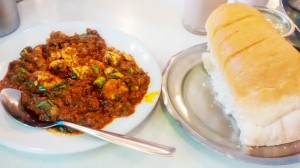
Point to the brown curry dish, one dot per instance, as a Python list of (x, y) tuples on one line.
[(78, 79)]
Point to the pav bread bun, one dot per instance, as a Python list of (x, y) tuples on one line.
[(255, 73)]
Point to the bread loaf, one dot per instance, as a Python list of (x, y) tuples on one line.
[(255, 74)]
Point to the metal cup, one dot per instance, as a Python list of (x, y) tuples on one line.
[(254, 2), (9, 17)]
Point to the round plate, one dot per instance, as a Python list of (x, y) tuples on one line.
[(187, 95), (24, 138), (291, 12)]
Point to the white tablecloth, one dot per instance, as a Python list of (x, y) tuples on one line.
[(158, 25)]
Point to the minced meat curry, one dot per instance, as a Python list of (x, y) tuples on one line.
[(77, 79)]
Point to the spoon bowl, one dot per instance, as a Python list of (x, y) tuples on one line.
[(10, 100)]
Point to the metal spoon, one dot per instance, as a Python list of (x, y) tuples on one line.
[(10, 99)]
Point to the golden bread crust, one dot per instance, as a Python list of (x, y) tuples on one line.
[(256, 60)]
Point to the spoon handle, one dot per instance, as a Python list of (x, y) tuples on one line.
[(130, 142)]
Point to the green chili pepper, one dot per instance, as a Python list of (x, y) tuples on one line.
[(25, 51), (41, 89), (45, 105), (118, 96), (73, 76), (131, 71), (95, 68), (100, 81), (60, 87), (22, 70), (116, 75)]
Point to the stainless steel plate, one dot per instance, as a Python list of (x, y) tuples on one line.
[(188, 97), (283, 24), (291, 12)]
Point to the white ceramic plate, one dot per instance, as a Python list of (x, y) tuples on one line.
[(24, 138)]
